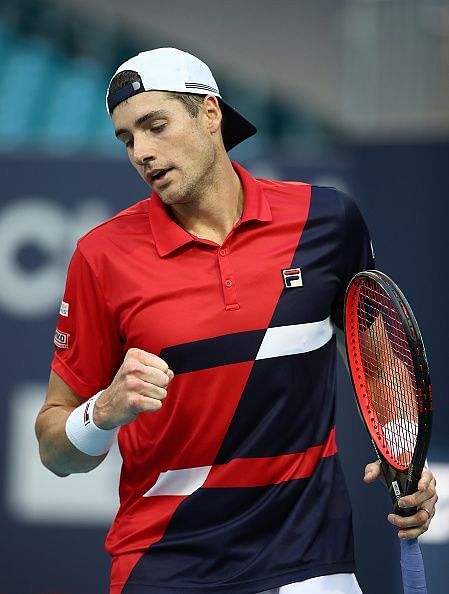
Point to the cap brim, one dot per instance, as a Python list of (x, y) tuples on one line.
[(236, 128)]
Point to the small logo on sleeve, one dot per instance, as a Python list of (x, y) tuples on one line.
[(64, 309), (61, 339), (292, 277)]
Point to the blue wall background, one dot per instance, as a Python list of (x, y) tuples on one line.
[(52, 530)]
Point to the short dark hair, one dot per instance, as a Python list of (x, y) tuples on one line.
[(191, 101)]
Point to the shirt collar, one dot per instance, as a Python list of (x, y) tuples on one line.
[(169, 236)]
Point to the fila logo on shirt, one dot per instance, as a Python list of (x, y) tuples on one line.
[(292, 277)]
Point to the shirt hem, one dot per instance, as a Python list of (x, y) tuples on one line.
[(247, 587)]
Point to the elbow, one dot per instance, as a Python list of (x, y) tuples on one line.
[(57, 453), (47, 449), (48, 460)]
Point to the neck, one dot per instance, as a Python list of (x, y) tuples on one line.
[(217, 208)]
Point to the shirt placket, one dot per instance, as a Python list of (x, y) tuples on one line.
[(227, 276)]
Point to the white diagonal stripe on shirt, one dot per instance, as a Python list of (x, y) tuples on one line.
[(179, 482), (295, 339), (277, 342)]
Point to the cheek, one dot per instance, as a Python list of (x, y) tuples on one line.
[(199, 148), (138, 168)]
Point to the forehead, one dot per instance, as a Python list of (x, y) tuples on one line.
[(142, 104)]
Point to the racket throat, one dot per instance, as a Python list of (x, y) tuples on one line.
[(396, 489)]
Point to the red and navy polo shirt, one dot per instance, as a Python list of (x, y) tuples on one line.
[(235, 484)]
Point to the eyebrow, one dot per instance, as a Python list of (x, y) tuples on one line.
[(148, 117)]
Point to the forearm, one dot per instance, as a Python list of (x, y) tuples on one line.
[(82, 443), (57, 453)]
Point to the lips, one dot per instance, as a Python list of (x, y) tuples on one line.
[(158, 176)]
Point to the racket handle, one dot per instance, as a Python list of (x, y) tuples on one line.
[(413, 576), (405, 511)]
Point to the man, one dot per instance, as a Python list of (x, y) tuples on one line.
[(202, 321)]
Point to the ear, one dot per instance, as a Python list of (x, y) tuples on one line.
[(212, 112)]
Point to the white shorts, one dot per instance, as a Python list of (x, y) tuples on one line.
[(337, 583)]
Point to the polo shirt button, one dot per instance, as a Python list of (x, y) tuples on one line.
[(228, 283), (222, 252)]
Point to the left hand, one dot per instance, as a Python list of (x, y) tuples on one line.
[(424, 499)]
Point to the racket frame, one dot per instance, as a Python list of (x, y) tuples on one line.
[(399, 482)]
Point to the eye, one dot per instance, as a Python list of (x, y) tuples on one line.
[(157, 128)]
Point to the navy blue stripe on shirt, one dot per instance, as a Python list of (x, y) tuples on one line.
[(213, 352), (220, 541), (281, 397), (315, 256)]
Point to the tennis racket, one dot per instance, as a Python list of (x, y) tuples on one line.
[(390, 376)]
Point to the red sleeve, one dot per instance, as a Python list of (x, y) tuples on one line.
[(88, 349)]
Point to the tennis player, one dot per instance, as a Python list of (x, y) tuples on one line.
[(198, 327)]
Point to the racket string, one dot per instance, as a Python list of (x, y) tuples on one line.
[(388, 367)]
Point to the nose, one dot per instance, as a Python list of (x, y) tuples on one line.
[(143, 150)]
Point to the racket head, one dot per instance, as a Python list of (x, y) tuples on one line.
[(390, 376)]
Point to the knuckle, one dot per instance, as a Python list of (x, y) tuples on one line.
[(153, 405), (158, 393), (132, 383), (129, 366), (153, 376), (134, 402), (158, 378), (132, 352), (159, 363)]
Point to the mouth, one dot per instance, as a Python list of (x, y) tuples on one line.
[(158, 177)]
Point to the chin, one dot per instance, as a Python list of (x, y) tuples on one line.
[(168, 198)]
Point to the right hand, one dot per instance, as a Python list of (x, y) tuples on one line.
[(140, 385)]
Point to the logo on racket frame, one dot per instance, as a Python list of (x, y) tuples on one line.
[(292, 277)]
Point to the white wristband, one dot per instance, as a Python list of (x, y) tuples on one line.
[(84, 434)]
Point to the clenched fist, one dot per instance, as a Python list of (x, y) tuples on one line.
[(139, 386)]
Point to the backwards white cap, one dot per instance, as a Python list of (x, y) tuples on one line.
[(170, 69)]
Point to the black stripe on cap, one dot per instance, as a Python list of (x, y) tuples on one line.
[(201, 86)]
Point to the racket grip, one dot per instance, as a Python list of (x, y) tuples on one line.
[(405, 511), (413, 576)]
